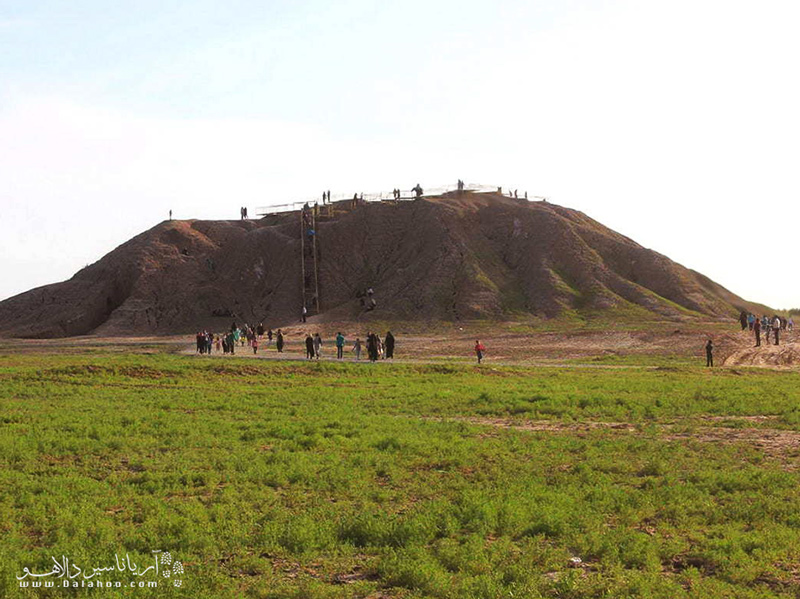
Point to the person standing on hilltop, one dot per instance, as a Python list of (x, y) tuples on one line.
[(303, 314), (776, 329), (709, 354), (479, 349), (757, 331)]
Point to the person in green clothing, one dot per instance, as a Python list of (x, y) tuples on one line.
[(339, 345)]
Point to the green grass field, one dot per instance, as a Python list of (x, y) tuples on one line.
[(294, 480)]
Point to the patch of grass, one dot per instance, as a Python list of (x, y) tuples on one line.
[(291, 479)]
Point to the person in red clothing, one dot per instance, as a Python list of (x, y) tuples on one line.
[(479, 349)]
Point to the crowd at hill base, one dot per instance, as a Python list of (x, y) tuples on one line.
[(377, 348)]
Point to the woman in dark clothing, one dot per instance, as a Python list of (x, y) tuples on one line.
[(309, 347), (279, 342), (389, 343), (372, 347)]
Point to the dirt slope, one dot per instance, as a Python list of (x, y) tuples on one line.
[(787, 354), (451, 257)]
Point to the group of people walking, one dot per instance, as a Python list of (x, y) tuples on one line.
[(768, 325), (376, 348), (245, 336)]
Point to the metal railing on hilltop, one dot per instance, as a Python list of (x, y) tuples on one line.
[(381, 196)]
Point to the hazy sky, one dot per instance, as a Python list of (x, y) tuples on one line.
[(673, 122)]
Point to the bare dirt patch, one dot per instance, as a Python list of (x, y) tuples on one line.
[(544, 425), (786, 355), (775, 443), (782, 445)]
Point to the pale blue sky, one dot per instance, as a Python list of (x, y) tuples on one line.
[(675, 123)]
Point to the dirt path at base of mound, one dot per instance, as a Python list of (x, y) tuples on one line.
[(603, 347), (681, 343), (778, 444)]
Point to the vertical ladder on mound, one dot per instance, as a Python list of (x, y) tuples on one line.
[(308, 259)]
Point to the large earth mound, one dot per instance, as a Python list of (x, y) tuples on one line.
[(452, 257)]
